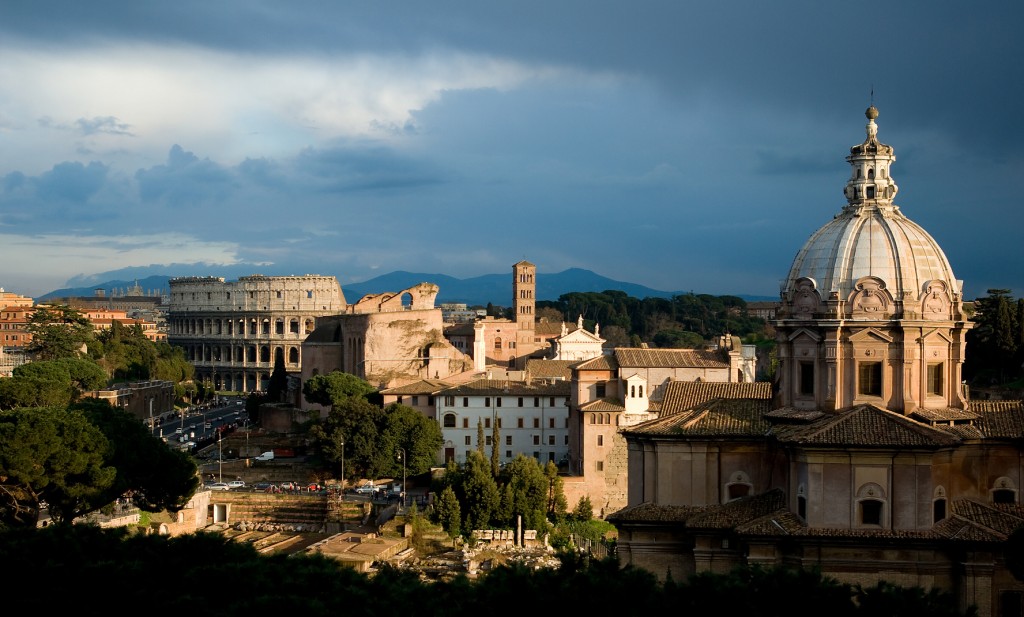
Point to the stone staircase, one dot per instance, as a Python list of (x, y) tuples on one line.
[(309, 511)]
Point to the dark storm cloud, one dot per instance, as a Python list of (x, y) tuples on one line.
[(185, 181), (663, 141)]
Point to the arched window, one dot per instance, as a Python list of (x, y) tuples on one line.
[(1004, 491), (870, 511), (497, 343), (449, 420), (871, 501), (738, 486), (293, 355)]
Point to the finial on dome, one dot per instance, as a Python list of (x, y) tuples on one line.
[(871, 113)]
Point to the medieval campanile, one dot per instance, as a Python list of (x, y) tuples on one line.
[(524, 300)]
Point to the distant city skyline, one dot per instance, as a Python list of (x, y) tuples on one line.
[(672, 145)]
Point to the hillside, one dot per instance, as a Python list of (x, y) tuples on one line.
[(480, 290)]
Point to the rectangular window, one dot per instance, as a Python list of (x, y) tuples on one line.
[(487, 423), (551, 402), (487, 401), (465, 423), (600, 465), (465, 401), (536, 423), (520, 401), (469, 440), (551, 440), (508, 453), (935, 379), (508, 440), (536, 401), (415, 400), (551, 423), (497, 401), (499, 422), (519, 423), (807, 378), (449, 401), (536, 440), (467, 454), (600, 390), (600, 440), (487, 440), (566, 440), (869, 379)]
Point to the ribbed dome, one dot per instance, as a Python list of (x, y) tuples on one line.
[(871, 237), (871, 242)]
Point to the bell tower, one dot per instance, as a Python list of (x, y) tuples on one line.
[(524, 302)]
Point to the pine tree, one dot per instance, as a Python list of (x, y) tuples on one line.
[(480, 436), (495, 452)]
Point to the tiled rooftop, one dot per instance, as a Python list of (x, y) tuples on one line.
[(503, 387), (669, 358), (545, 369), (682, 395)]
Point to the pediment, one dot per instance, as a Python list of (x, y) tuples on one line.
[(580, 336), (635, 378), (871, 335), (937, 335), (805, 333)]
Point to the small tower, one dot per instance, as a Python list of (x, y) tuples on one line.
[(524, 302)]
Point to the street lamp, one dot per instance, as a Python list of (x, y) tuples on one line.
[(401, 457), (220, 458)]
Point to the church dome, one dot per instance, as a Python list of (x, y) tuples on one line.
[(870, 243)]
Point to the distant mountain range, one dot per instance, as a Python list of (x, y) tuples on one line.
[(480, 290)]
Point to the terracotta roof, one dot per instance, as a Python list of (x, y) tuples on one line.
[(999, 418), (946, 414), (548, 329), (604, 362), (504, 387), (682, 395), (424, 386), (865, 425), (791, 414), (669, 358), (543, 369), (654, 513), (739, 511), (459, 329), (717, 417), (603, 404)]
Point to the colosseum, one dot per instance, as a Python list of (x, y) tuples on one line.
[(233, 332)]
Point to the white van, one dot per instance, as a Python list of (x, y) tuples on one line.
[(266, 456)]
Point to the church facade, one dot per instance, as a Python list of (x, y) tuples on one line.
[(868, 461)]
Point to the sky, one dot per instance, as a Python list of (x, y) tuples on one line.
[(686, 146)]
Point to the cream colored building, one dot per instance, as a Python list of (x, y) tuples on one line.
[(389, 339), (234, 331), (869, 463)]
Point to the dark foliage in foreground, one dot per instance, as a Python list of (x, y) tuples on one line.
[(85, 570)]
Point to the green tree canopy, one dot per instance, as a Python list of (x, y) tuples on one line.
[(158, 477), (55, 455), (58, 332), (335, 387)]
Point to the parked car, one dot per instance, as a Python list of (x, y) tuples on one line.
[(218, 486), (236, 484), (288, 486), (366, 489), (262, 486)]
